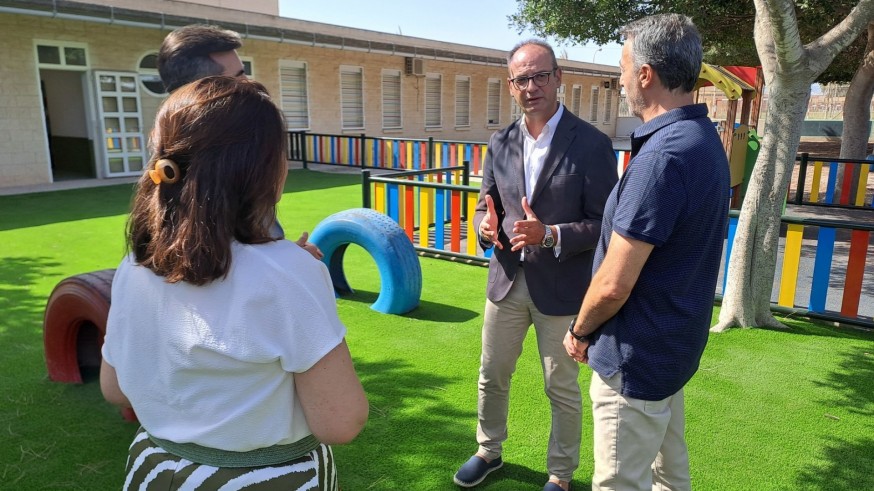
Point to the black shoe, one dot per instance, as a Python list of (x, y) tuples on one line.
[(475, 470), (551, 486)]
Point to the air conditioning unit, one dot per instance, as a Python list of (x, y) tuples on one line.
[(414, 66), (614, 83)]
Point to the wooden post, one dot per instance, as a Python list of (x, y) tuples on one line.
[(757, 100)]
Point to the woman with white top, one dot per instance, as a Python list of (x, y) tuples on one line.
[(225, 341)]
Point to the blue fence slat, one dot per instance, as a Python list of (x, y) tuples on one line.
[(392, 202), (732, 230), (332, 142), (822, 265), (832, 180), (439, 219)]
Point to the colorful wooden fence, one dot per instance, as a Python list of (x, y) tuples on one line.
[(433, 207), (394, 153), (828, 274), (853, 193), (384, 153)]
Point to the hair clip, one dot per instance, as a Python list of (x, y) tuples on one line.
[(165, 171)]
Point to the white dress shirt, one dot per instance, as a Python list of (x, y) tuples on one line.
[(534, 151)]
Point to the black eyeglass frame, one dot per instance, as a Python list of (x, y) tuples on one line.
[(521, 83)]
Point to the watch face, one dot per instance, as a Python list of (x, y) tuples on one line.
[(548, 239)]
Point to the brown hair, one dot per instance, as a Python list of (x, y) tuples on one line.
[(184, 54), (228, 139)]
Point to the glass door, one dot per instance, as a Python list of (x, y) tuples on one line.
[(121, 128)]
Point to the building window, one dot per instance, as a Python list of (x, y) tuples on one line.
[(68, 55), (391, 100), (515, 109), (576, 96), (248, 68), (293, 94), (608, 105), (561, 93), (462, 101), (493, 102), (593, 104), (149, 78), (433, 100), (352, 97)]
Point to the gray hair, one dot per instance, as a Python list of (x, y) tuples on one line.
[(536, 42), (670, 44)]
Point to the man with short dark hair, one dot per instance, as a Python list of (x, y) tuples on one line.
[(644, 321), (196, 51), (545, 180)]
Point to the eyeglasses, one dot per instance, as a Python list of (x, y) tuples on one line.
[(540, 79)]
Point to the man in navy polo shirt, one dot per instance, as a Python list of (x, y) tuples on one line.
[(645, 319)]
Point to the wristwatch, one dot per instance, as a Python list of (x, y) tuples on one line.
[(548, 239), (576, 336)]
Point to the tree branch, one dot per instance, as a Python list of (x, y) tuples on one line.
[(824, 49)]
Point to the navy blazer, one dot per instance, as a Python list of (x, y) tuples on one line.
[(577, 177)]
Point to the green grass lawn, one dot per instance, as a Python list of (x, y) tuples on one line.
[(768, 410)]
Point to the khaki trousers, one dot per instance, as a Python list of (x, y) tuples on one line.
[(504, 328), (639, 445)]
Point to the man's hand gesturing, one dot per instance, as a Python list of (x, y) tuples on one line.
[(488, 227)]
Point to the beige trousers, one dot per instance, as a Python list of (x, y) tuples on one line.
[(639, 445), (504, 328)]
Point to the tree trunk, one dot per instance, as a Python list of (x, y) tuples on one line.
[(790, 68), (747, 299), (857, 116), (857, 105)]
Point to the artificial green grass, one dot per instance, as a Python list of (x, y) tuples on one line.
[(768, 410)]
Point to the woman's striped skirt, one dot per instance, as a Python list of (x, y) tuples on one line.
[(151, 468)]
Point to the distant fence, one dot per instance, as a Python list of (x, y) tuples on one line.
[(435, 208), (817, 183), (384, 153), (367, 152)]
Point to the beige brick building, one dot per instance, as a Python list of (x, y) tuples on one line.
[(79, 92)]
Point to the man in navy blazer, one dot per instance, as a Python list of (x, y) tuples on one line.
[(545, 181)]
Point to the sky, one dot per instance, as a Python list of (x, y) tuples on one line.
[(480, 23)]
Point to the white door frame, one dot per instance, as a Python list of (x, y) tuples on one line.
[(120, 139)]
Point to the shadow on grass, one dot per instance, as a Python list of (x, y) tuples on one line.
[(426, 311), (415, 438), (21, 309), (848, 465), (32, 210), (814, 327)]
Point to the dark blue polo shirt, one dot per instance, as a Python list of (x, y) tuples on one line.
[(673, 195)]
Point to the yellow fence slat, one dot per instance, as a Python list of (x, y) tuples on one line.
[(379, 203), (814, 183), (791, 257), (862, 187), (426, 211), (471, 232)]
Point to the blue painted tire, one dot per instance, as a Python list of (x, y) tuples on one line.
[(399, 270)]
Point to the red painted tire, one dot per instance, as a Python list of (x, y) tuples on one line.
[(75, 323)]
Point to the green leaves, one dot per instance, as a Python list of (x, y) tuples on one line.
[(726, 26)]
